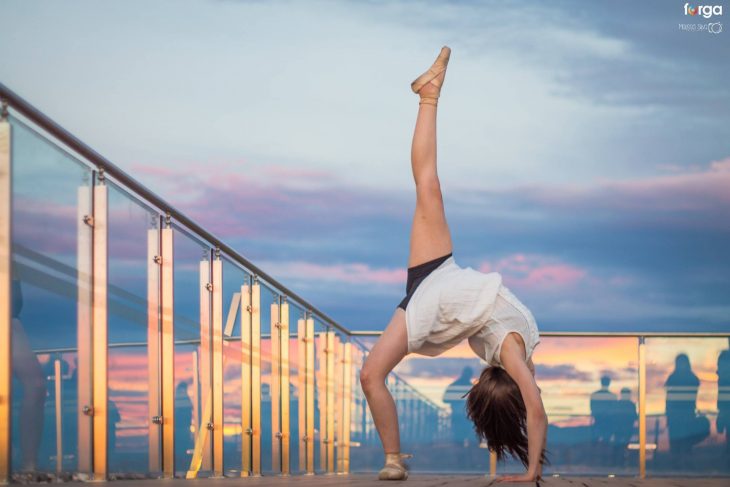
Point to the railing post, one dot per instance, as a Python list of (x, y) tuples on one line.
[(84, 288), (275, 388), (246, 426), (154, 261), (309, 334), (302, 392), (285, 386), (168, 350), (5, 290), (100, 330), (206, 420), (256, 377), (339, 399), (642, 407), (347, 408), (322, 398), (58, 403), (330, 381), (217, 312)]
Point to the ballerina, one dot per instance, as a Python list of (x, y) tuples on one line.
[(446, 304)]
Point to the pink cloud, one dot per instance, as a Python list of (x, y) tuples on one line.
[(350, 273), (702, 189), (535, 271)]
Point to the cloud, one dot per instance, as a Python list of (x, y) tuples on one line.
[(535, 271), (561, 372), (348, 273), (439, 368)]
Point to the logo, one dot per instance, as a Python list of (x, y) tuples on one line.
[(706, 11)]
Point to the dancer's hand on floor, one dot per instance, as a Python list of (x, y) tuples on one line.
[(525, 477)]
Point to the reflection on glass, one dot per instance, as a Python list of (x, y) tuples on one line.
[(129, 224), (233, 279), (192, 374), (685, 405), (268, 297), (296, 313), (50, 189)]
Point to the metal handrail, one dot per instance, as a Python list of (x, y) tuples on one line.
[(598, 334), (40, 119)]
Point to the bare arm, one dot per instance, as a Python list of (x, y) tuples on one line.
[(513, 361)]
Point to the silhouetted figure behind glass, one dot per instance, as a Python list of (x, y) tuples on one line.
[(183, 420), (461, 427), (625, 417), (30, 374), (685, 428), (113, 419), (603, 403), (723, 396)]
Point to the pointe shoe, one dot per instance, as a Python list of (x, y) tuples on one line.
[(432, 76), (395, 468)]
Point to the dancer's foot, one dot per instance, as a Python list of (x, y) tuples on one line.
[(395, 468), (428, 85)]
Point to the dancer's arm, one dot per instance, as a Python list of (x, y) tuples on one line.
[(513, 361)]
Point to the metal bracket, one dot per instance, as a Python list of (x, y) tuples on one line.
[(209, 426), (209, 287), (158, 259), (89, 220), (157, 419), (87, 410)]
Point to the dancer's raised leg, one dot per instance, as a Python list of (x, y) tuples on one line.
[(430, 236)]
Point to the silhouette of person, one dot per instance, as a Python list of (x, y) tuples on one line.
[(682, 422), (113, 419), (723, 396), (603, 403), (625, 417), (28, 370), (461, 428), (183, 420)]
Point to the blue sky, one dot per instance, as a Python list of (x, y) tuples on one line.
[(583, 146)]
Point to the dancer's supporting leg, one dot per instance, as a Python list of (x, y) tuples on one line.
[(430, 239)]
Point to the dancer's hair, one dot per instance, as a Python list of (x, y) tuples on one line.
[(495, 406)]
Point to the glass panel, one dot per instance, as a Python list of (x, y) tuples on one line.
[(364, 453), (233, 278), (296, 313), (687, 420), (319, 394), (129, 415), (431, 411), (268, 296), (190, 396), (48, 187), (590, 391)]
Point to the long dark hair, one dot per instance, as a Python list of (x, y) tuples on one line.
[(495, 406)]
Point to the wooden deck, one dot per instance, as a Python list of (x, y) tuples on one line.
[(365, 480)]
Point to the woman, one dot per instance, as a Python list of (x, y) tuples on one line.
[(686, 429), (446, 304)]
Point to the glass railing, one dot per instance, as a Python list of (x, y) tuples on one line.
[(592, 390), (142, 345)]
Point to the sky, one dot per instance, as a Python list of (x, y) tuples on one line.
[(583, 148)]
